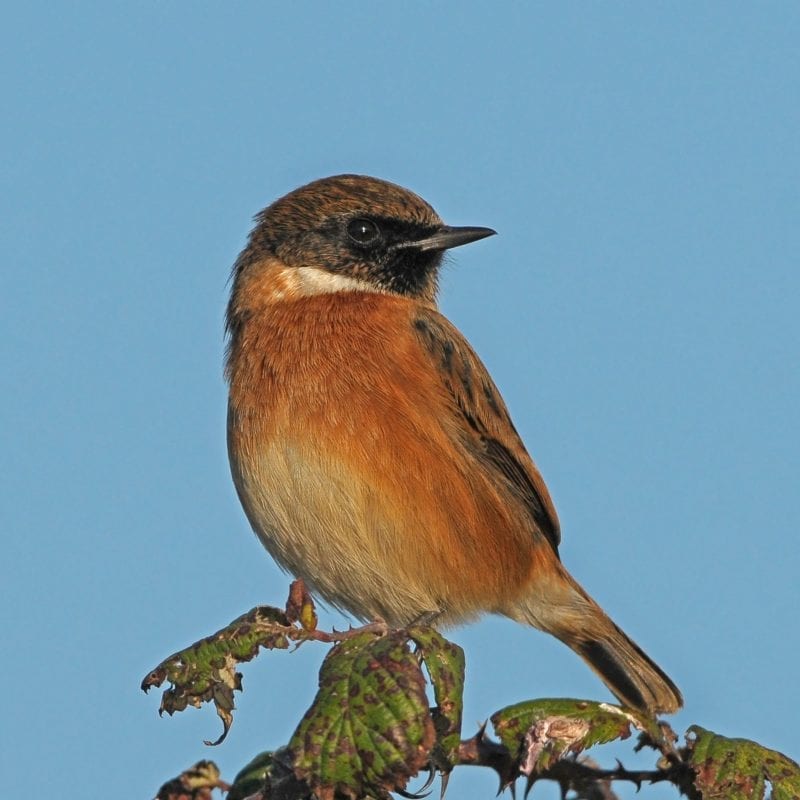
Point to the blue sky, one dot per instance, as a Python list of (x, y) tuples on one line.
[(638, 309)]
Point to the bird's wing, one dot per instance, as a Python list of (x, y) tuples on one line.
[(488, 432)]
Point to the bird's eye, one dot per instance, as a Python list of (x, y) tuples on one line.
[(363, 231)]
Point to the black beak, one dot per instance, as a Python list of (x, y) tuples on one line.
[(447, 237)]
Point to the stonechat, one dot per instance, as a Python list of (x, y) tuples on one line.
[(370, 448)]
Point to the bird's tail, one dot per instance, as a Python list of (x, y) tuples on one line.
[(560, 606)]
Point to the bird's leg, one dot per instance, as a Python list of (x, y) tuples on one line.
[(426, 619)]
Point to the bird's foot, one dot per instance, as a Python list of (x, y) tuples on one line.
[(300, 609)]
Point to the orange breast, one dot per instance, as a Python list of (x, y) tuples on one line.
[(345, 451)]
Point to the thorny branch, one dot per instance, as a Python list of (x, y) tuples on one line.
[(387, 728), (582, 775)]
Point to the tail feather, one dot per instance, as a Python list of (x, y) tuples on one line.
[(563, 609), (629, 672)]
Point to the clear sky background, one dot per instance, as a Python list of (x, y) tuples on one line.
[(639, 311)]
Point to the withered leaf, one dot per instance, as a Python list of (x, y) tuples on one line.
[(195, 783), (206, 671), (369, 729), (445, 664), (540, 732), (738, 769)]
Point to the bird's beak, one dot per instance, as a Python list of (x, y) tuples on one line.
[(447, 237)]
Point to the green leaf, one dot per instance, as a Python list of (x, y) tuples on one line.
[(369, 729), (445, 664), (738, 769), (540, 732), (252, 777), (206, 671)]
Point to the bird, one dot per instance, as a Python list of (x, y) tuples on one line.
[(371, 450)]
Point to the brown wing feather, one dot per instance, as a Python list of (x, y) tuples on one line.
[(489, 435)]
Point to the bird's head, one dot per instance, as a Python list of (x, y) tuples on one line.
[(354, 232)]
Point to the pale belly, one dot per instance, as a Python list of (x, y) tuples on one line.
[(357, 549)]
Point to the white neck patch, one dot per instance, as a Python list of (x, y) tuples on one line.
[(312, 280)]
